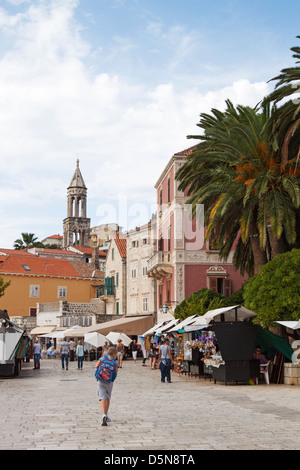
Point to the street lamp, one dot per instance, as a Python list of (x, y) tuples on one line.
[(165, 308)]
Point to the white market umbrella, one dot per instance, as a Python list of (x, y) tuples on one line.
[(95, 339), (113, 338)]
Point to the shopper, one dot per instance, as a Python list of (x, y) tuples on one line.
[(134, 350), (106, 373), (37, 354), (165, 361), (152, 356), (72, 350), (64, 353), (120, 352), (80, 354), (105, 350)]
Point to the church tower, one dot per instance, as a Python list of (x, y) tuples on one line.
[(77, 225)]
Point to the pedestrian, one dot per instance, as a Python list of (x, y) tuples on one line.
[(64, 352), (106, 373), (37, 354), (120, 352), (165, 361), (152, 356), (134, 350), (105, 350), (80, 354), (72, 350)]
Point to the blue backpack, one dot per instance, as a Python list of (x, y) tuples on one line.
[(106, 371)]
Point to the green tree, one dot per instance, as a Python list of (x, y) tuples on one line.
[(273, 293), (248, 195), (3, 286), (28, 240), (198, 304)]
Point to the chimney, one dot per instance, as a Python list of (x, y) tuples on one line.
[(95, 258)]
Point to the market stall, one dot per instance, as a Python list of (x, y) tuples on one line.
[(13, 345), (220, 345)]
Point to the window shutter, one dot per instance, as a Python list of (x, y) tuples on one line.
[(227, 287), (213, 283)]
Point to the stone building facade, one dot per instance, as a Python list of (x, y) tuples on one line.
[(141, 289)]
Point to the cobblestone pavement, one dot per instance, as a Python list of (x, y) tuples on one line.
[(54, 409)]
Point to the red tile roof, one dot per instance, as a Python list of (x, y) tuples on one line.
[(122, 246), (56, 251), (60, 237), (8, 251), (88, 250), (38, 266), (185, 153)]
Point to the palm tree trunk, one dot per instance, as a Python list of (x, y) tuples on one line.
[(287, 140), (278, 246), (260, 256)]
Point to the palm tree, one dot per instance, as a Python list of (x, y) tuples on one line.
[(284, 125), (249, 196), (285, 122), (28, 240)]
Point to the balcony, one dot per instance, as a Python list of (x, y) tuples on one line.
[(160, 265), (107, 291)]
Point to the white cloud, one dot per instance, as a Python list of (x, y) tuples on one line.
[(53, 108)]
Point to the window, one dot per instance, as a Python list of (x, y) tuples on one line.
[(109, 285), (135, 244), (117, 308), (160, 200), (221, 285), (112, 254), (169, 239), (32, 312), (145, 265), (26, 267), (34, 291), (133, 305), (145, 304), (169, 190), (145, 241), (133, 270), (117, 279), (61, 292)]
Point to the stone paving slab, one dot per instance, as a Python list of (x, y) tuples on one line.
[(52, 409)]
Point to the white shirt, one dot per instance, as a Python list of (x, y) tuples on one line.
[(37, 348)]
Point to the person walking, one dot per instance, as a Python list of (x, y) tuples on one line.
[(120, 352), (80, 354), (165, 361), (64, 353), (72, 350), (37, 354), (106, 373), (105, 350), (152, 356), (134, 350)]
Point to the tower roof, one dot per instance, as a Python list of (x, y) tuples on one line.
[(77, 180)]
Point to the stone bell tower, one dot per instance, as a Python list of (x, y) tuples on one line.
[(77, 225)]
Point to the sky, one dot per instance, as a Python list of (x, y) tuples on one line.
[(120, 84)]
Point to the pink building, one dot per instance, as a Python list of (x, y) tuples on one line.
[(184, 262)]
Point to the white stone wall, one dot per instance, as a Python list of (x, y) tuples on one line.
[(140, 287)]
